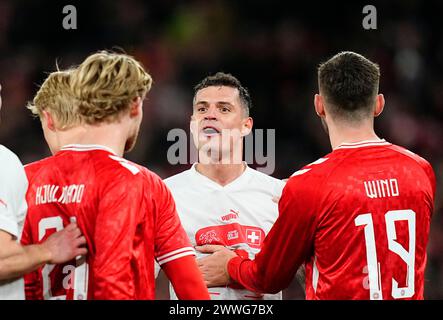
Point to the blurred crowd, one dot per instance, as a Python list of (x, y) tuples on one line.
[(273, 48)]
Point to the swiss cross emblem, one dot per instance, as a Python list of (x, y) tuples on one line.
[(253, 237)]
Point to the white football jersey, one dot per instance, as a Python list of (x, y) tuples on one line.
[(238, 215), (13, 186)]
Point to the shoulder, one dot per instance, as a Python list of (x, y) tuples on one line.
[(422, 162), (417, 160), (266, 181), (32, 168), (10, 164), (111, 167), (8, 159), (180, 180), (265, 178), (316, 170)]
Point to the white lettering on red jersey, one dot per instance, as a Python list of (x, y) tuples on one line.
[(359, 219), (125, 212)]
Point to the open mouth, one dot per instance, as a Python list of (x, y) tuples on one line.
[(210, 131)]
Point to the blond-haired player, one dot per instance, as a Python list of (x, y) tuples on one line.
[(16, 260), (90, 116)]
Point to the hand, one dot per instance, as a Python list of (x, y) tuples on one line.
[(215, 267), (66, 244)]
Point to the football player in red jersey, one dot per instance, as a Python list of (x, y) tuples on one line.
[(90, 116), (17, 260), (358, 218)]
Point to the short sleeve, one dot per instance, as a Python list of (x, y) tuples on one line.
[(13, 186)]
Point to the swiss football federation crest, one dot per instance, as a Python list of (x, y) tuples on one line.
[(254, 237)]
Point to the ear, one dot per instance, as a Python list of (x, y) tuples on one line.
[(136, 107), (48, 120), (319, 105), (247, 126), (379, 105)]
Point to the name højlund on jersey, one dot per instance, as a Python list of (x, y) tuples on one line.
[(382, 188), (49, 193)]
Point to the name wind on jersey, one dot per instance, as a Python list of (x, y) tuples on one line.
[(52, 193)]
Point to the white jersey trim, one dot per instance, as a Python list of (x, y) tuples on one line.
[(179, 253), (315, 274), (361, 144), (86, 147)]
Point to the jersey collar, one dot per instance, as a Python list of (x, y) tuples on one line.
[(362, 144), (86, 147), (239, 181)]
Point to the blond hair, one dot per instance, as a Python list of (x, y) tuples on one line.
[(106, 83), (55, 97)]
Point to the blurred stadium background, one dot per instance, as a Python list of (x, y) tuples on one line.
[(272, 47)]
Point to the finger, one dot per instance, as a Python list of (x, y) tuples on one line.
[(81, 252), (80, 241), (71, 226), (76, 232)]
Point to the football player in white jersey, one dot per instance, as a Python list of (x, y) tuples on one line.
[(221, 200), (17, 260)]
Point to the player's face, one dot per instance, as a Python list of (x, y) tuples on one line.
[(218, 122)]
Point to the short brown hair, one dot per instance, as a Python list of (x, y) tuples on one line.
[(349, 83), (55, 96), (227, 80), (105, 84)]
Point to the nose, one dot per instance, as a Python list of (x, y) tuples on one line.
[(211, 114)]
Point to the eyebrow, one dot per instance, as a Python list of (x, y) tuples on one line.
[(218, 103)]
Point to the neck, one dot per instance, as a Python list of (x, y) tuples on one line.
[(222, 168), (110, 135), (339, 134), (222, 174)]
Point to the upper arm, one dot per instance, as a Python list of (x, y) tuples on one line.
[(290, 240), (8, 245), (287, 245), (13, 188), (171, 240)]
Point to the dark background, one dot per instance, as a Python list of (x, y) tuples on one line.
[(273, 47)]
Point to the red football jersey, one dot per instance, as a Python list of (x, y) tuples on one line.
[(126, 213), (358, 218)]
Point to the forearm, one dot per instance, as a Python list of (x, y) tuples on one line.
[(244, 272), (186, 279), (22, 260), (268, 273)]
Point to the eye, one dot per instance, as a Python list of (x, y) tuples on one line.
[(224, 109), (201, 109)]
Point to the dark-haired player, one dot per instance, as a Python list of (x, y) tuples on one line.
[(358, 217)]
